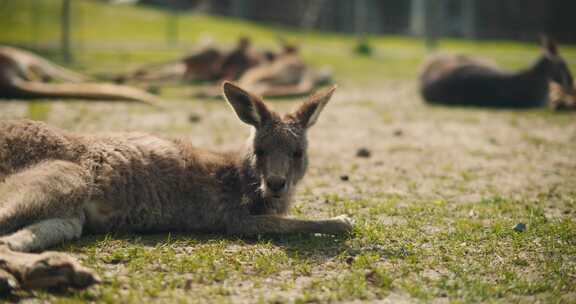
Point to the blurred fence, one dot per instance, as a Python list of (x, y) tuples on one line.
[(160, 29), (60, 26), (41, 23), (472, 19)]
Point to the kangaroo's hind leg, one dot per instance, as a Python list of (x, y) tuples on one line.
[(49, 189), (41, 207), (47, 269)]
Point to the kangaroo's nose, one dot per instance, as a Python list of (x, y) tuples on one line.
[(276, 183)]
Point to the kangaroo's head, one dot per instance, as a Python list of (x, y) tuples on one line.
[(243, 43), (558, 70), (277, 147)]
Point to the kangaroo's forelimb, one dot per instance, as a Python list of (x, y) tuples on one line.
[(265, 224)]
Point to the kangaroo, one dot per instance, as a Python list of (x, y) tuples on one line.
[(56, 185), (240, 60), (286, 75), (460, 80), (210, 64), (25, 75), (201, 66)]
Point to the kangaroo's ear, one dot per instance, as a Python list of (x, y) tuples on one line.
[(308, 112), (249, 107), (549, 45)]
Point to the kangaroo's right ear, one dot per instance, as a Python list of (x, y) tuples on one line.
[(249, 107), (308, 112), (549, 45)]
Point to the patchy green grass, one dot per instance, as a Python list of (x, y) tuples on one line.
[(435, 204), (38, 110), (439, 250)]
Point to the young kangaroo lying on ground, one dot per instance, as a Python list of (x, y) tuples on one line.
[(56, 185)]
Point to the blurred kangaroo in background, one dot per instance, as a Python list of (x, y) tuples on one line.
[(239, 60), (286, 74), (207, 64), (460, 80), (24, 75), (56, 185)]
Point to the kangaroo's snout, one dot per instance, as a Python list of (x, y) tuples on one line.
[(276, 183)]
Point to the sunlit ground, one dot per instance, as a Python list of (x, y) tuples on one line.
[(435, 204)]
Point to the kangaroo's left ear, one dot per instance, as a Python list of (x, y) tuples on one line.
[(308, 112), (249, 107)]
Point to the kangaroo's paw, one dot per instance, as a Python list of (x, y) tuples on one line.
[(343, 224), (51, 269), (7, 282), (46, 270)]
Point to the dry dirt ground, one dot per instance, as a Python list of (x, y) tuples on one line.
[(435, 204)]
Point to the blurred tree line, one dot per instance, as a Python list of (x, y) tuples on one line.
[(472, 19)]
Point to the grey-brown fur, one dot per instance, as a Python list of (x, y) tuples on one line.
[(460, 80), (56, 185), (24, 75)]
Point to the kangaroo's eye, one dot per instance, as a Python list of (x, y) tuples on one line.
[(259, 152), (298, 154)]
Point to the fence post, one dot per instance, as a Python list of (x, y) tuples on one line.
[(35, 16), (360, 17), (65, 31), (417, 17), (172, 27), (239, 8), (469, 18), (425, 21)]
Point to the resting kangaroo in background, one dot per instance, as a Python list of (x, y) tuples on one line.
[(282, 76), (201, 66), (459, 80), (56, 185), (25, 75), (210, 64), (240, 60)]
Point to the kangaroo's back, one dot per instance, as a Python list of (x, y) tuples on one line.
[(25, 142), (461, 80)]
